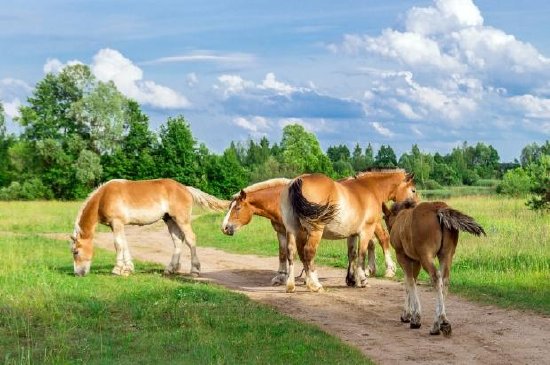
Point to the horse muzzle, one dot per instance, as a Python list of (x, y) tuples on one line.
[(228, 230), (82, 269)]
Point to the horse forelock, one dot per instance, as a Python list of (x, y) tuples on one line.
[(263, 185)]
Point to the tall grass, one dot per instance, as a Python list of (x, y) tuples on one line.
[(510, 267), (49, 316)]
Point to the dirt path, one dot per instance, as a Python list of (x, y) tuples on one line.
[(367, 318)]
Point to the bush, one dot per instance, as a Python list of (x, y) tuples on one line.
[(515, 182), (32, 189), (432, 185)]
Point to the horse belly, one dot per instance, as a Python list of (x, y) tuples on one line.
[(145, 215)]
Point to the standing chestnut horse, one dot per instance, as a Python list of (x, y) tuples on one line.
[(120, 202), (315, 206), (419, 233), (263, 199)]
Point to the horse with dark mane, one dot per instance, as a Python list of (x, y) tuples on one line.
[(263, 199), (314, 206), (419, 233), (120, 202)]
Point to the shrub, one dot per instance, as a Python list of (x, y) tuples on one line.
[(31, 189), (515, 182)]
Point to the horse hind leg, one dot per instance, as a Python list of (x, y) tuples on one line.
[(191, 242), (310, 249), (124, 265), (177, 238), (411, 309), (352, 260)]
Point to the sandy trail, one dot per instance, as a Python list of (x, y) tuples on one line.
[(367, 318)]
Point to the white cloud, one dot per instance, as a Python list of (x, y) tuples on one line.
[(232, 84), (271, 83), (317, 125), (205, 56), (382, 130), (11, 108), (192, 79), (53, 65), (254, 125), (533, 107), (111, 65)]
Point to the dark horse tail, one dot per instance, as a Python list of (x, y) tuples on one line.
[(454, 220), (311, 215)]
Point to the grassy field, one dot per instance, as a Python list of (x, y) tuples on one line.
[(49, 316), (511, 267)]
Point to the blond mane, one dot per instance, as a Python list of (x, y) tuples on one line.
[(77, 228), (264, 185), (378, 172)]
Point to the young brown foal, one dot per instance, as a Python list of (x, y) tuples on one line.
[(418, 233)]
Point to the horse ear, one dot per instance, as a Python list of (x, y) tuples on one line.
[(386, 210), (242, 195), (409, 177)]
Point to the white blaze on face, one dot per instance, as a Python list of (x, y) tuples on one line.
[(226, 218)]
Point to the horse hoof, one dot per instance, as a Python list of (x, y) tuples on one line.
[(363, 283), (278, 280), (195, 274), (435, 332), (350, 281), (414, 325), (405, 319), (290, 288), (117, 270), (446, 328), (389, 273), (316, 289)]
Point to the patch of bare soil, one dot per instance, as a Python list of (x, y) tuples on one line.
[(366, 318)]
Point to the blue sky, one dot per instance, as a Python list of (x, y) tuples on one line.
[(435, 73)]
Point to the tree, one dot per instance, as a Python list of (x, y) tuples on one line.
[(539, 172), (337, 153), (358, 159), (301, 150), (417, 162), (100, 115), (515, 182), (385, 158), (369, 156), (176, 153), (226, 175), (6, 141)]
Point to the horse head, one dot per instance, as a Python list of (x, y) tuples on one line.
[(391, 214), (82, 250), (405, 189), (239, 214)]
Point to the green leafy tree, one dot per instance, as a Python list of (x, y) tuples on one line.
[(419, 163), (226, 175), (358, 159), (337, 153), (385, 158), (515, 182), (270, 169), (369, 156), (6, 141), (176, 154), (539, 172), (301, 151)]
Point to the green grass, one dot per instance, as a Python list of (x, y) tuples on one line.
[(49, 316), (510, 267), (459, 191)]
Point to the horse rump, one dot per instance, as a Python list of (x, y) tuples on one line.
[(452, 219), (311, 215)]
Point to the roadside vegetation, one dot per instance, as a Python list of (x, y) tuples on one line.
[(49, 316)]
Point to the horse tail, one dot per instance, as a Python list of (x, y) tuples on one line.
[(454, 220), (311, 215), (206, 200)]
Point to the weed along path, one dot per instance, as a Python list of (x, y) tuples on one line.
[(367, 318)]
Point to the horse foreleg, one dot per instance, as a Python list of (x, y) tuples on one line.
[(177, 239), (124, 265), (191, 242), (365, 237), (352, 260), (411, 309), (384, 240), (282, 273), (310, 249)]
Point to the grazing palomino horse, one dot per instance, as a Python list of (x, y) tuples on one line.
[(263, 199), (419, 233), (120, 202), (315, 206)]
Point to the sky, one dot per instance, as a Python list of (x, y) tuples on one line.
[(432, 73)]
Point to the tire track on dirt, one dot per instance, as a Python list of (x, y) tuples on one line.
[(366, 318)]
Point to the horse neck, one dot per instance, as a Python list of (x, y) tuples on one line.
[(383, 185), (265, 203), (89, 217)]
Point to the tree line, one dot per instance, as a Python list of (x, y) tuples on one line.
[(78, 131)]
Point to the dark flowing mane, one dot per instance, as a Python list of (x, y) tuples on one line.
[(264, 185), (407, 204)]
